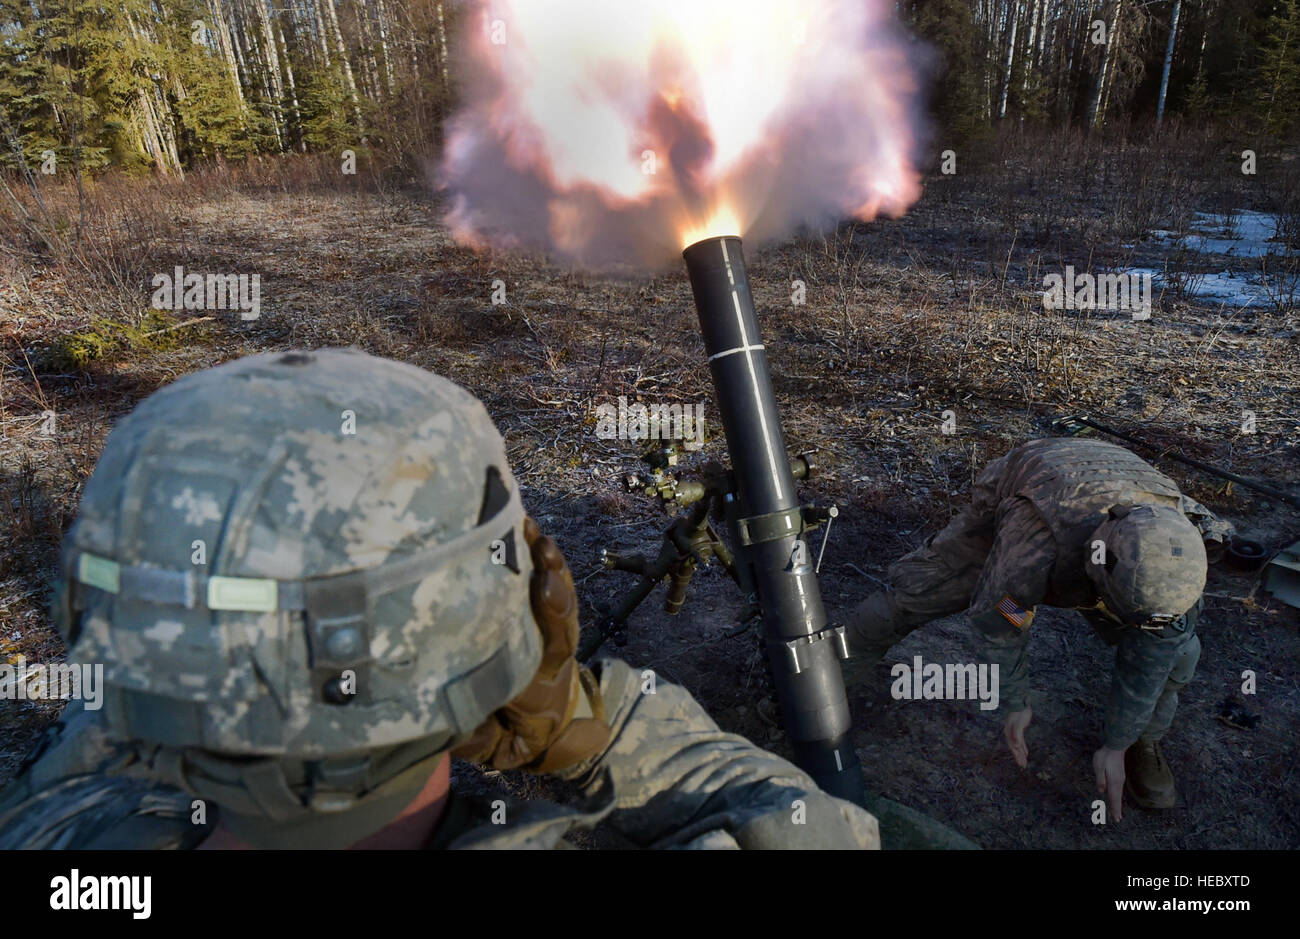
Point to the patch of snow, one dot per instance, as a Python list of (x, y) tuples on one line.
[(1228, 287), (1248, 236)]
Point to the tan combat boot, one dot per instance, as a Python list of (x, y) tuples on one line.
[(1147, 777)]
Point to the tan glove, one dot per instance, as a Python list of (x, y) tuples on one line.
[(559, 720)]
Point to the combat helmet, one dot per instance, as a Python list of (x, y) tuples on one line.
[(1148, 564), (306, 579)]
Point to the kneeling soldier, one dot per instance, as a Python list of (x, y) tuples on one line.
[(1079, 524)]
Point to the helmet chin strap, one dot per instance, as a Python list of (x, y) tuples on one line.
[(285, 803), (1105, 611), (1152, 622), (366, 816)]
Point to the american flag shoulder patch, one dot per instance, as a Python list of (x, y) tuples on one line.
[(1017, 615)]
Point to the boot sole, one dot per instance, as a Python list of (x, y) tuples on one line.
[(1146, 802)]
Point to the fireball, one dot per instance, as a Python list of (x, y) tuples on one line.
[(608, 130)]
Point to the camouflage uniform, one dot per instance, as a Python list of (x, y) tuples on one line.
[(670, 778), (308, 578), (1025, 539)]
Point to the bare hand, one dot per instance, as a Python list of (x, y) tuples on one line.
[(1109, 767), (1017, 722)]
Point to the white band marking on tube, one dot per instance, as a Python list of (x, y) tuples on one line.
[(718, 355)]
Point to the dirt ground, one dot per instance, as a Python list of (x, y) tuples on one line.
[(904, 320)]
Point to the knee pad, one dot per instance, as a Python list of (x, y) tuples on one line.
[(1185, 664), (877, 616), (874, 625)]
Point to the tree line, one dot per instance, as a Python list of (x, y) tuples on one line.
[(1088, 63), (160, 85)]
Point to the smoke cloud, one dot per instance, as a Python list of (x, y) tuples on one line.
[(616, 131)]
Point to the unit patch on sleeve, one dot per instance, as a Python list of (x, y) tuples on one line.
[(1017, 615)]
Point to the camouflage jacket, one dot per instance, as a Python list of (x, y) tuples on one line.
[(1039, 504), (670, 778)]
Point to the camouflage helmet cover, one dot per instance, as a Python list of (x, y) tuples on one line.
[(1153, 564), (299, 555)]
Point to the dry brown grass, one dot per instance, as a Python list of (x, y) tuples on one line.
[(939, 311)]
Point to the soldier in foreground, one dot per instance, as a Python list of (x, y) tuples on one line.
[(310, 580), (1079, 524)]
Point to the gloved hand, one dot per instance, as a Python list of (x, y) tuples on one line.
[(542, 729)]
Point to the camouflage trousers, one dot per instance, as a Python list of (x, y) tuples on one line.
[(1141, 652), (938, 579)]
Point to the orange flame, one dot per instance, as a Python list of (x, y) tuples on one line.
[(624, 131), (723, 221)]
